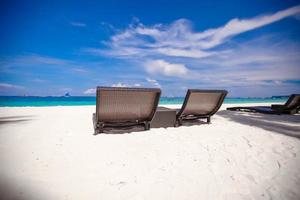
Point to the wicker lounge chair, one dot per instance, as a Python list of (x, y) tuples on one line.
[(200, 104), (123, 107), (292, 106)]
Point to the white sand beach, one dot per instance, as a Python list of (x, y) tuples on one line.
[(51, 153)]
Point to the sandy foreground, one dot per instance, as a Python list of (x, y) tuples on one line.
[(51, 153)]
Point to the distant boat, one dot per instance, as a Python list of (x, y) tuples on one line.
[(67, 94)]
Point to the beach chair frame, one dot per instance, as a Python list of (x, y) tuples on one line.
[(181, 115), (292, 106), (142, 118)]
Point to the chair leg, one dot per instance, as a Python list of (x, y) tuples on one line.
[(96, 132), (208, 120), (178, 122), (147, 125), (99, 128)]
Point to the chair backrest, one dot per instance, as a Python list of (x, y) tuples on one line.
[(202, 102), (126, 104), (293, 102)]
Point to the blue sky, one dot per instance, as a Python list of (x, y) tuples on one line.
[(251, 48)]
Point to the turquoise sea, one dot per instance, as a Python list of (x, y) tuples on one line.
[(18, 101)]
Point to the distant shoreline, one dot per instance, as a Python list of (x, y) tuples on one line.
[(91, 101)]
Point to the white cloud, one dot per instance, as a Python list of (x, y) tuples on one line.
[(256, 60), (120, 85), (46, 60), (10, 86), (11, 89), (190, 53), (41, 61), (117, 51), (217, 36), (153, 82), (90, 91), (178, 39), (35, 59), (169, 48), (78, 24), (8, 89), (80, 70), (165, 68)]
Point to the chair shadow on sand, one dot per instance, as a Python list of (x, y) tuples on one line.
[(122, 130), (137, 128), (194, 122), (15, 119), (281, 124)]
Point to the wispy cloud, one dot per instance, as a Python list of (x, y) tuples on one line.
[(177, 50), (214, 37), (11, 89), (90, 91), (252, 62), (10, 86), (180, 40), (119, 85), (78, 24), (153, 82), (41, 61), (38, 70), (35, 59), (176, 56)]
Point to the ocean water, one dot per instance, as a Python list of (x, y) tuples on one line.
[(18, 101)]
